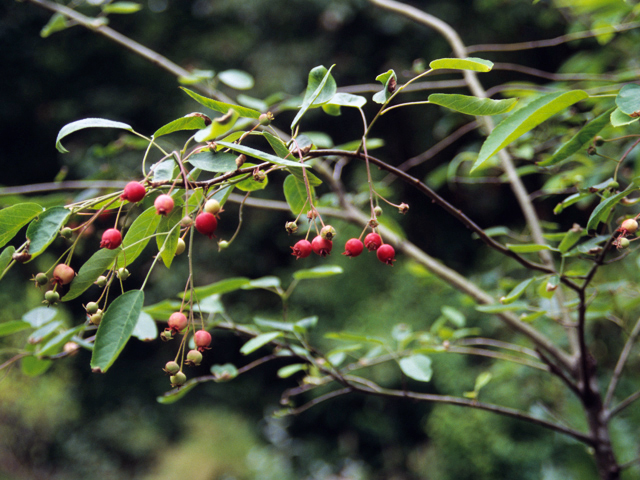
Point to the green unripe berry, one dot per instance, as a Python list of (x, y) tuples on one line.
[(223, 244), (265, 119), (194, 357), (42, 279), (123, 273), (92, 307), (66, 232), (178, 379), (96, 318), (51, 296), (180, 248), (212, 206), (328, 232), (614, 185), (172, 367), (623, 242), (377, 211), (102, 281), (598, 141)]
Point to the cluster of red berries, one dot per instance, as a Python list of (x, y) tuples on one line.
[(629, 226), (353, 248)]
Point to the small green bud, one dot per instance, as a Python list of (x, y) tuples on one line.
[(123, 273), (377, 211), (102, 281), (66, 232), (180, 248), (172, 368), (178, 379), (92, 307), (41, 279), (265, 119), (51, 296), (96, 318)]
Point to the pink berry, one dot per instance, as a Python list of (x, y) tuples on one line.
[(202, 339), (133, 192), (301, 249), (386, 254), (63, 274), (372, 241), (177, 322), (164, 204), (353, 247), (321, 246), (206, 224), (111, 239), (630, 225)]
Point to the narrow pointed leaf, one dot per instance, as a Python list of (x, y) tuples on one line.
[(295, 193), (267, 282), (44, 229), (12, 326), (524, 120), (209, 161), (350, 337), (313, 180), (499, 308), (189, 122), (218, 127), (56, 23), (286, 372), (122, 7), (221, 106), (56, 344), (318, 272), (570, 239), (168, 234), (116, 327), (13, 218), (221, 287), (417, 367), (5, 258), (90, 271), (258, 342), (278, 145), (316, 93), (528, 247), (87, 123), (265, 157), (570, 200), (470, 63), (138, 236), (516, 293), (472, 105), (579, 140), (602, 211), (177, 393)]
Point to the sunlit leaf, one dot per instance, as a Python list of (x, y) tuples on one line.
[(628, 99), (602, 211), (56, 23), (87, 123), (188, 122), (387, 78), (289, 370), (122, 7), (317, 272), (236, 79), (221, 287), (516, 292), (321, 87), (295, 193), (44, 229), (528, 248), (266, 157), (13, 218), (417, 367), (221, 106), (258, 342), (146, 328), (39, 316), (470, 63), (472, 105)]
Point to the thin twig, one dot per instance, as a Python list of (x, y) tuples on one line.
[(623, 404), (624, 355)]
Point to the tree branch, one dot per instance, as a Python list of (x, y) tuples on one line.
[(624, 355)]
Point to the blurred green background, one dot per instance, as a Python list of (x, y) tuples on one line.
[(71, 424)]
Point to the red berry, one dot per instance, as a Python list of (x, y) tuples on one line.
[(111, 239), (372, 241), (202, 339), (133, 192), (164, 205), (206, 224), (63, 274), (321, 246), (177, 322), (386, 254), (353, 247), (301, 249)]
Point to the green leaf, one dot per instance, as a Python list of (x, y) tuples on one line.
[(570, 200), (619, 118), (318, 272), (41, 333), (176, 394), (122, 7), (168, 234), (188, 122), (13, 218), (5, 258), (55, 345), (250, 184), (472, 105), (236, 79), (33, 366), (372, 144), (498, 308), (628, 99), (116, 327), (223, 286), (579, 140), (347, 100), (524, 120), (218, 127), (303, 325), (55, 24), (295, 193), (516, 292), (602, 211), (12, 326), (138, 236), (90, 271), (278, 145), (570, 239), (417, 367), (482, 380), (349, 337), (224, 373), (454, 315), (145, 329), (470, 63), (386, 79), (528, 247), (268, 282), (321, 87), (163, 172), (221, 106), (196, 76), (39, 316), (313, 180), (214, 162), (87, 123), (286, 372), (258, 342), (265, 157), (210, 304), (44, 229)]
